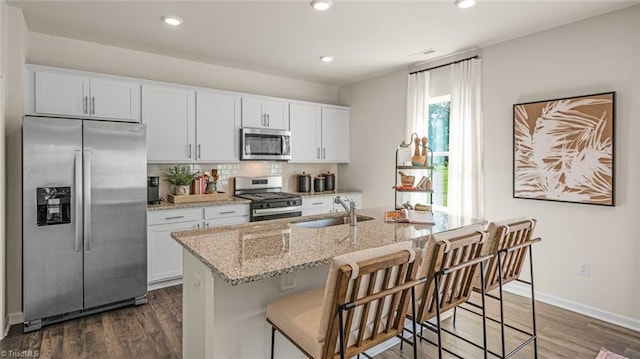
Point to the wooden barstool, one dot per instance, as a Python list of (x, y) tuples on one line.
[(453, 260), (364, 303), (509, 241)]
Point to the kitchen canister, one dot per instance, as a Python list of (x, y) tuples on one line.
[(329, 181), (318, 184), (304, 182)]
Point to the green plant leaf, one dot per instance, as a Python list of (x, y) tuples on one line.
[(180, 175)]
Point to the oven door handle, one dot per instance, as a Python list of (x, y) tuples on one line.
[(266, 211)]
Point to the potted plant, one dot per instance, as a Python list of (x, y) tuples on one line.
[(180, 177)]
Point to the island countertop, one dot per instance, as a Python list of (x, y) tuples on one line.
[(249, 252)]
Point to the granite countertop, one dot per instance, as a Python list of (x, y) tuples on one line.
[(235, 200), (249, 252), (167, 205)]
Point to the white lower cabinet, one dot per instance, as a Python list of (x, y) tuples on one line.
[(164, 254), (324, 205), (317, 205), (226, 215)]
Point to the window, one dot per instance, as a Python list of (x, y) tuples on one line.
[(438, 129)]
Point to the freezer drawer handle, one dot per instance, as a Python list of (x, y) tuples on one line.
[(78, 199), (87, 199), (174, 217)]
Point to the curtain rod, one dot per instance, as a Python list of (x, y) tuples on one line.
[(443, 65)]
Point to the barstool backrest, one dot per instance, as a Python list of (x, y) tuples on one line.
[(449, 250), (502, 235), (372, 288)]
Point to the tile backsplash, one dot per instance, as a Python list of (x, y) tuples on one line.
[(288, 171)]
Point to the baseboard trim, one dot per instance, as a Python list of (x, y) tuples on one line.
[(164, 284), (609, 317), (13, 318)]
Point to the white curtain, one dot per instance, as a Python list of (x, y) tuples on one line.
[(416, 121), (465, 196), (417, 104)]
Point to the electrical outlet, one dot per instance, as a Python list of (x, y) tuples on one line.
[(196, 281), (584, 268), (287, 281)]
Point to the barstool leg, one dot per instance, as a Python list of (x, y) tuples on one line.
[(273, 337), (413, 323), (437, 294), (484, 311), (504, 350), (533, 306)]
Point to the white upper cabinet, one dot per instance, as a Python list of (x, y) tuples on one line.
[(217, 127), (335, 135), (115, 99), (319, 134), (169, 113), (63, 94), (260, 112), (306, 125)]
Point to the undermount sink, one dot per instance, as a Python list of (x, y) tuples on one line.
[(328, 222)]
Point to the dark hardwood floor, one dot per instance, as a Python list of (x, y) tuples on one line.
[(155, 331)]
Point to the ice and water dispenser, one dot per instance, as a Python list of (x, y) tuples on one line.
[(54, 205)]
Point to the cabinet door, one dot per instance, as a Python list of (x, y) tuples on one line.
[(305, 132), (317, 205), (164, 254), (252, 112), (61, 94), (217, 127), (277, 114), (227, 221), (335, 135), (170, 117), (115, 100)]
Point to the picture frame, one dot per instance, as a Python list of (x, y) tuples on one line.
[(563, 149)]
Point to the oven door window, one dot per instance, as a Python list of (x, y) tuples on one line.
[(261, 144)]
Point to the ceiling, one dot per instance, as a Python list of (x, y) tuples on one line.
[(287, 38)]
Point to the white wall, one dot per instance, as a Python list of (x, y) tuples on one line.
[(88, 56), (594, 55), (378, 108)]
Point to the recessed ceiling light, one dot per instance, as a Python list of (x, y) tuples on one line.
[(463, 4), (172, 20), (326, 58), (321, 5)]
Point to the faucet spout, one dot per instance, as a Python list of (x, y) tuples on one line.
[(351, 210)]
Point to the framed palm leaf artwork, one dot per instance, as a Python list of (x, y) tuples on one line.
[(564, 149)]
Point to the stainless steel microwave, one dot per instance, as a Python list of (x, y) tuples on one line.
[(265, 144)]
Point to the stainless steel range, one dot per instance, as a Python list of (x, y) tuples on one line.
[(267, 199)]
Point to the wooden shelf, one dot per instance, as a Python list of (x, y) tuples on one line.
[(415, 190), (414, 167)]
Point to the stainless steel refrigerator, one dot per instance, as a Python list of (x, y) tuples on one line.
[(84, 217)]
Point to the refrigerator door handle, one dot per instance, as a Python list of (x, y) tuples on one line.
[(87, 199), (78, 199)]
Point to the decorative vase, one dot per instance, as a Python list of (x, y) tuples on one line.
[(211, 187), (181, 190)]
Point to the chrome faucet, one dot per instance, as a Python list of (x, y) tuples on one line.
[(351, 209)]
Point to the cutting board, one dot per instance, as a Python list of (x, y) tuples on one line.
[(209, 197)]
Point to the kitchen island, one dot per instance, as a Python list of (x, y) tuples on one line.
[(231, 273)]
